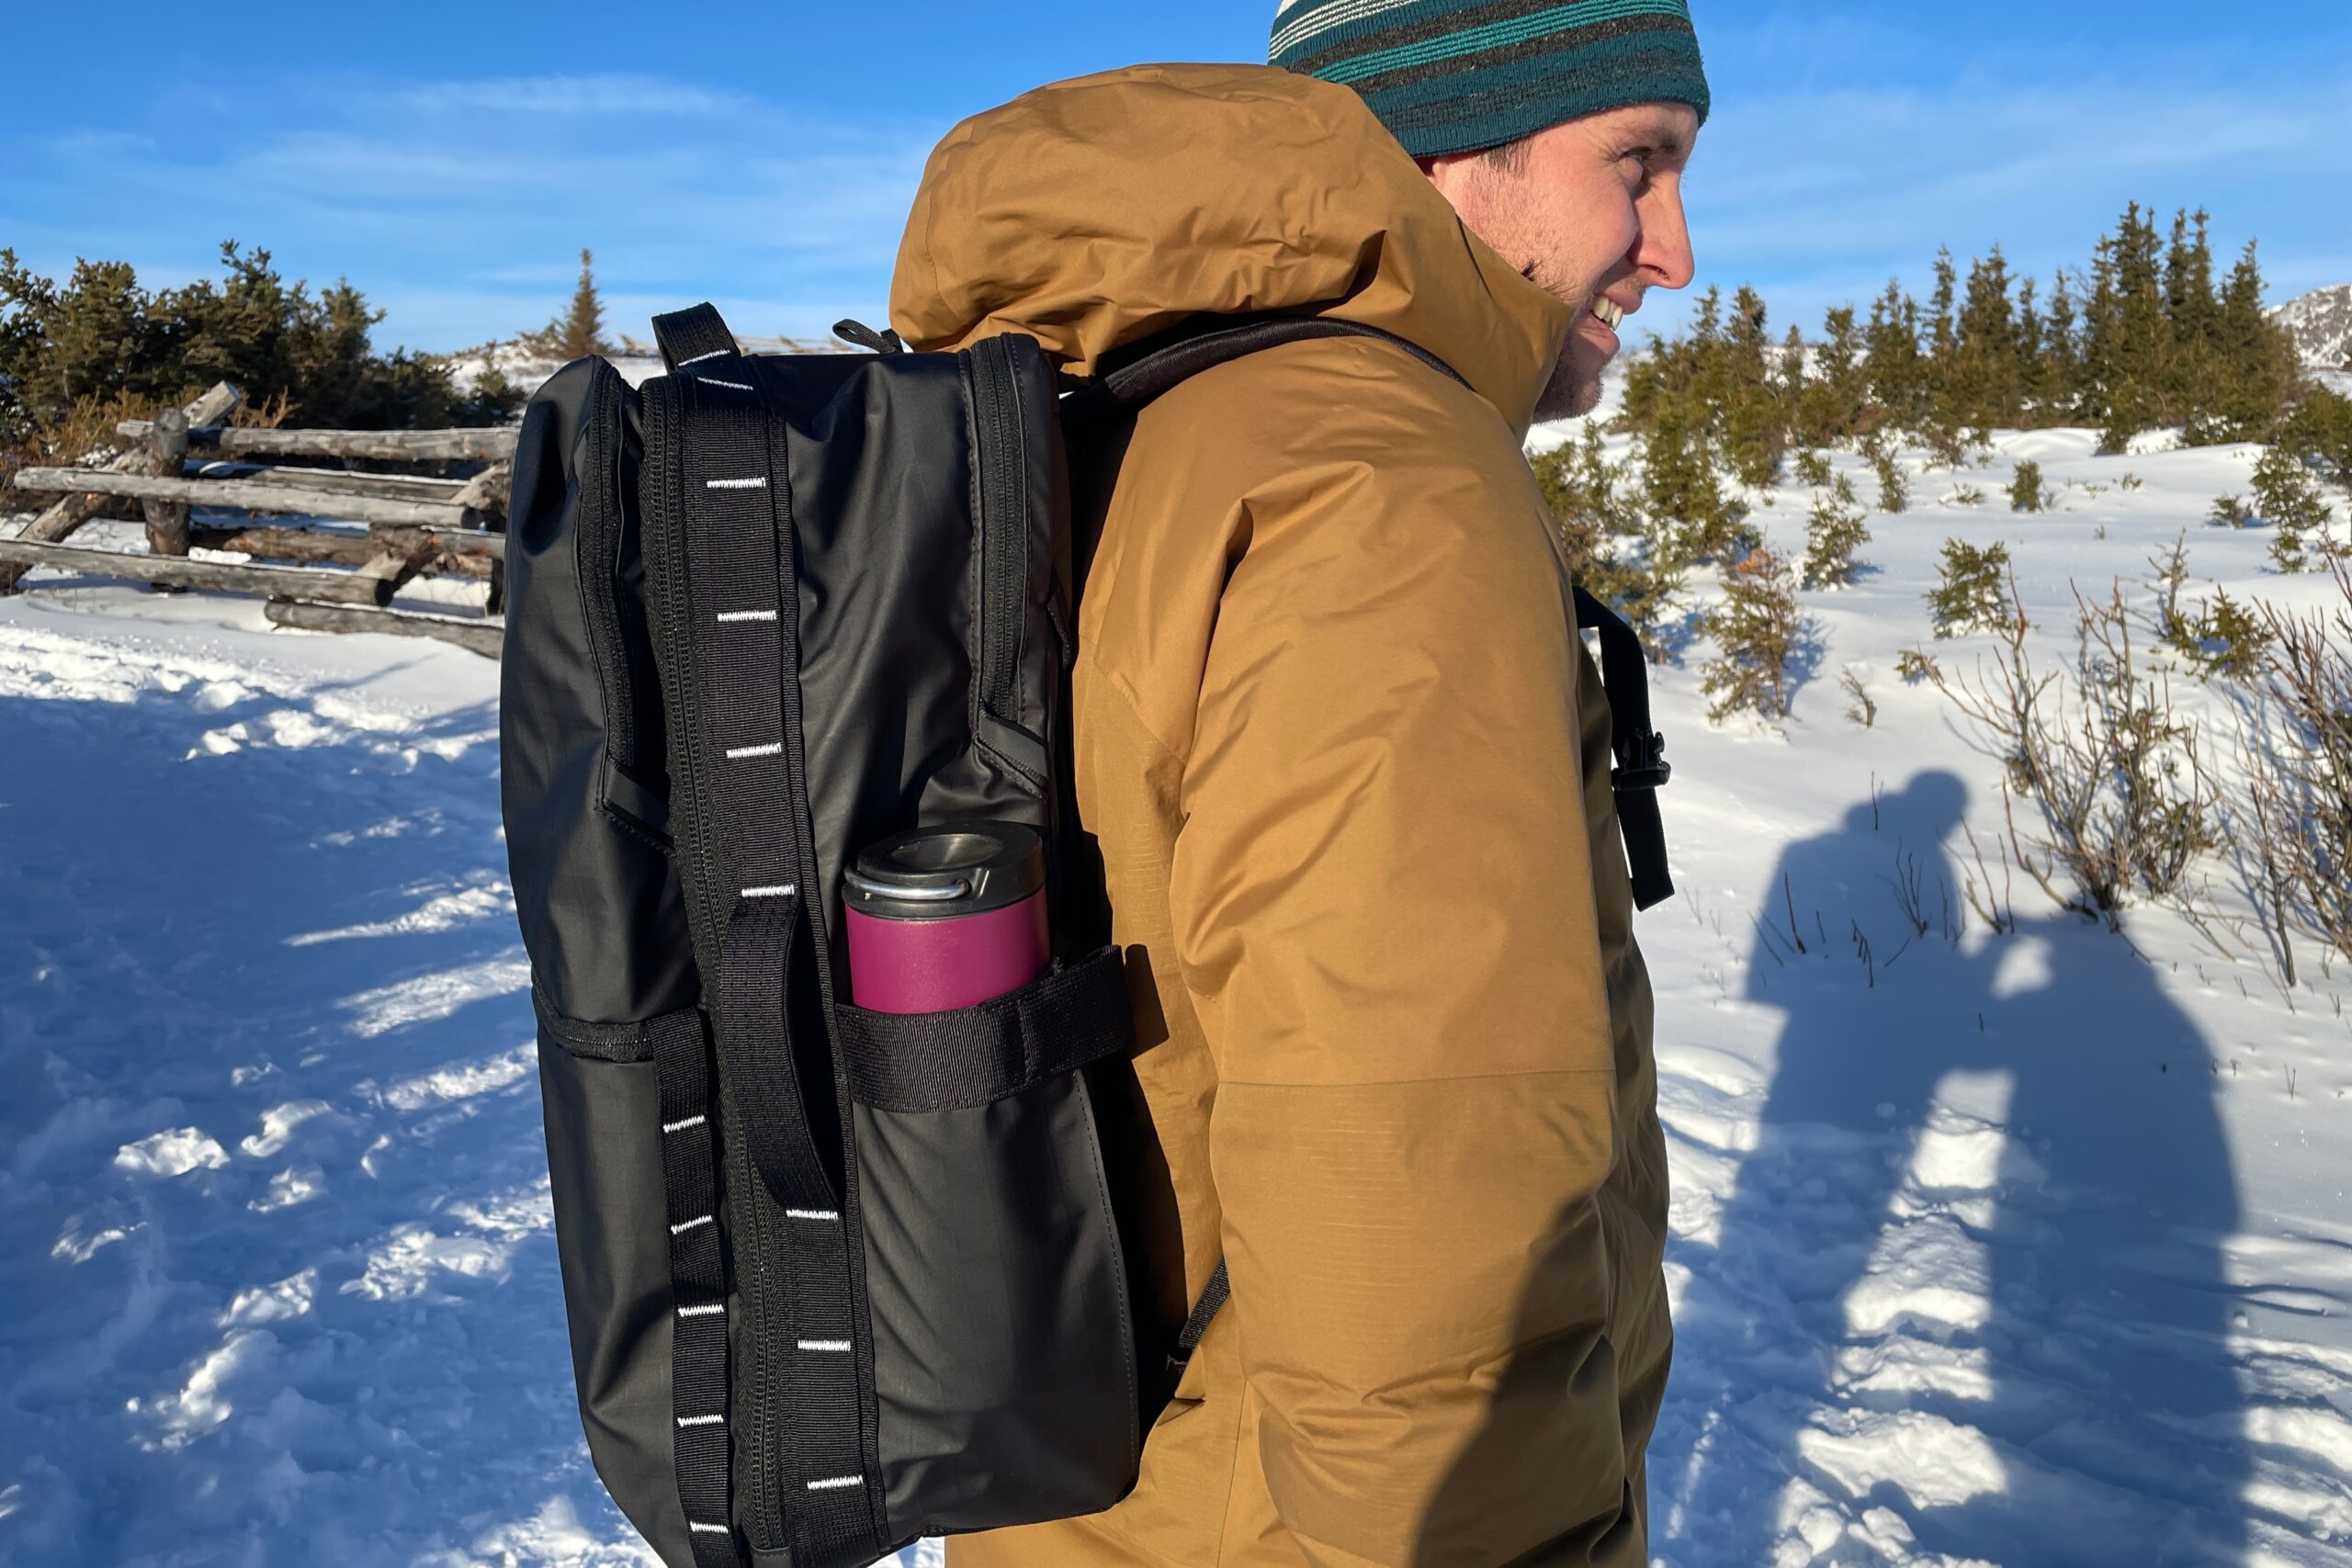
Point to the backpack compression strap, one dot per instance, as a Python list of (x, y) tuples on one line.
[(719, 549)]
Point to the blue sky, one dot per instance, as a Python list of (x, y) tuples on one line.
[(452, 160)]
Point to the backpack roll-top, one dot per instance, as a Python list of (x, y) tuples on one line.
[(840, 1277), (836, 1279)]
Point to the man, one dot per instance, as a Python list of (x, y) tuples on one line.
[(1348, 763)]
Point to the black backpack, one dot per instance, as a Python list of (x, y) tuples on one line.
[(837, 1280)]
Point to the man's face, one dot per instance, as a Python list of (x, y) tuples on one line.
[(1592, 212)]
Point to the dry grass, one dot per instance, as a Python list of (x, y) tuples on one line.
[(86, 437)]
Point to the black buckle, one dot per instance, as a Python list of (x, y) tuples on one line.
[(1647, 769)]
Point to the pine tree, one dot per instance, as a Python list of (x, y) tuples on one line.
[(1972, 592), (1942, 333), (2032, 369), (1683, 490), (2319, 431), (1756, 630), (2132, 338), (1755, 432), (1834, 531), (2286, 497), (1832, 407), (2260, 368), (1984, 386), (2060, 386), (1897, 370), (581, 332), (2026, 493), (1790, 385), (2192, 316), (1893, 486)]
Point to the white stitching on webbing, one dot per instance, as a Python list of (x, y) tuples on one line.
[(702, 1420), (830, 1346), (690, 1225), (774, 890), (759, 483), (714, 354), (714, 1310), (835, 1484), (738, 754), (682, 1126), (826, 1214), (732, 386), (707, 1530), (725, 616)]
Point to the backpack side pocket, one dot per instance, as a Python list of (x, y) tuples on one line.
[(1006, 1371)]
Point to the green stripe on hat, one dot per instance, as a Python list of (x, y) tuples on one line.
[(1461, 76)]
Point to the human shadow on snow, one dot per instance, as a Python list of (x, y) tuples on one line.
[(2017, 1310)]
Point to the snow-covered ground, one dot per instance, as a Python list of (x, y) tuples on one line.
[(2031, 1250)]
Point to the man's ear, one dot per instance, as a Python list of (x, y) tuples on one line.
[(1447, 170)]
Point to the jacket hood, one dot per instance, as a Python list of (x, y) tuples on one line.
[(1099, 211)]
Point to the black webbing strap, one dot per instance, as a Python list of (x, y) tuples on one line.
[(736, 624), (1212, 1299), (920, 1062), (1134, 379), (692, 336), (698, 1285), (743, 614), (1642, 767)]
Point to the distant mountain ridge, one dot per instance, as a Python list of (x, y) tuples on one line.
[(2321, 323)]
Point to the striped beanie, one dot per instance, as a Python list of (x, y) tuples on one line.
[(1463, 75)]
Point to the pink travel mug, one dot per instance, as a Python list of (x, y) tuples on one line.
[(946, 917)]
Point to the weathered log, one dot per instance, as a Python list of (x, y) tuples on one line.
[(167, 520), (447, 554), (341, 481), (489, 443), (79, 504), (484, 637), (250, 496), (366, 586), (487, 490)]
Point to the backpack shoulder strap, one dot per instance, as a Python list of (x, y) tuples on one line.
[(1130, 381), (1157, 366), (1641, 768)]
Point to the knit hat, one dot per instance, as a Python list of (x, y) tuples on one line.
[(1463, 75)]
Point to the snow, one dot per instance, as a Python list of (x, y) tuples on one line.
[(2029, 1250)]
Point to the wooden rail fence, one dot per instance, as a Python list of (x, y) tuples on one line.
[(362, 536)]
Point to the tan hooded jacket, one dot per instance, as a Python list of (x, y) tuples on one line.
[(1347, 760)]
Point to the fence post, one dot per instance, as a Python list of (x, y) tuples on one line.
[(166, 450)]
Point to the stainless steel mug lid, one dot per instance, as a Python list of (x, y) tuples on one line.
[(947, 872)]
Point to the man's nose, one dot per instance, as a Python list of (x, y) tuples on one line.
[(1662, 254)]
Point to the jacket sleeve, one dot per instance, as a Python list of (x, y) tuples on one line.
[(1384, 907)]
